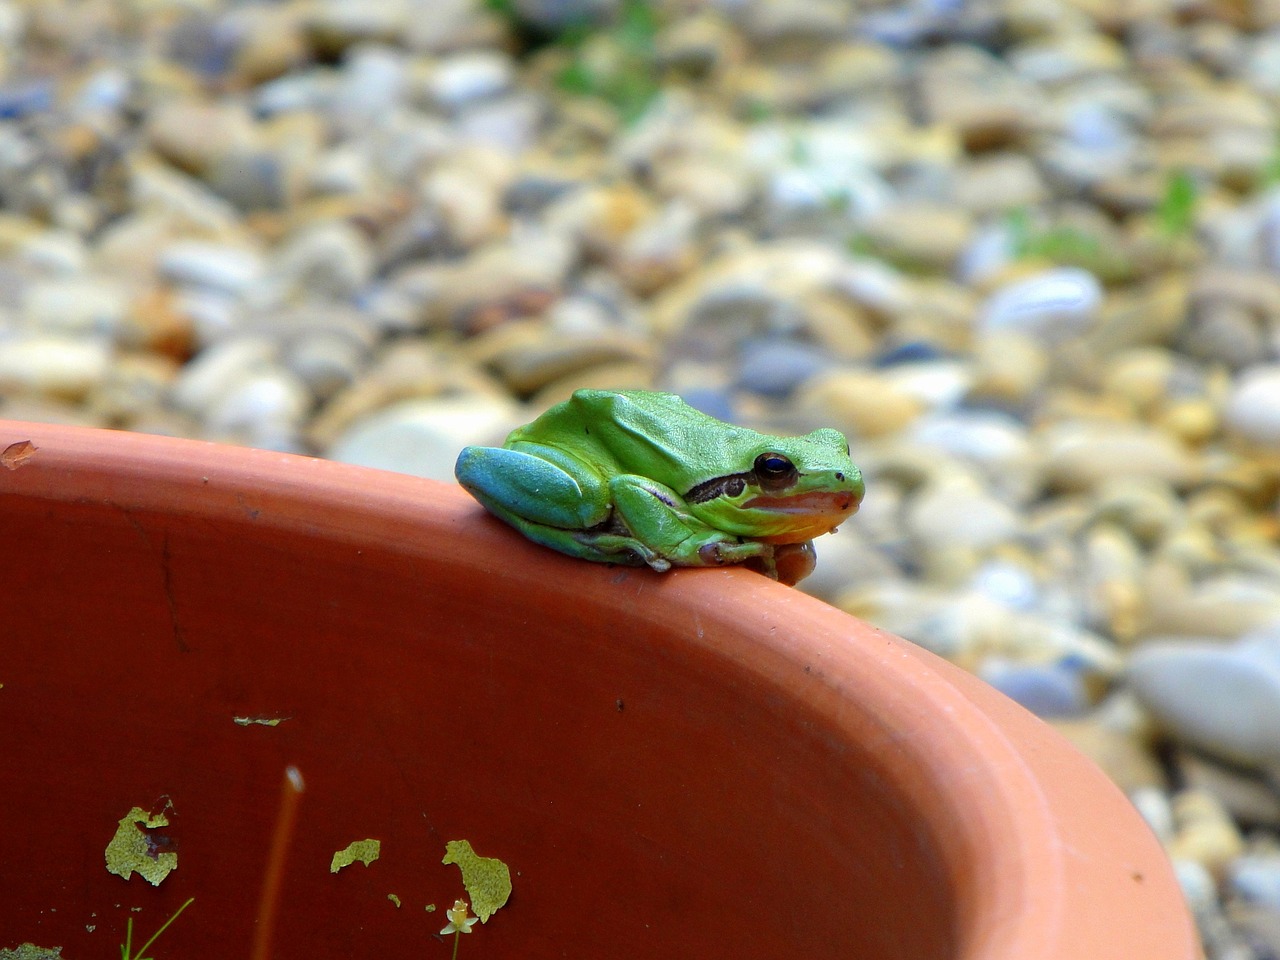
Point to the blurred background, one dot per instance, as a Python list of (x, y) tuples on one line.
[(1025, 253)]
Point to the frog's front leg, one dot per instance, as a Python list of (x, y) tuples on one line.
[(660, 523)]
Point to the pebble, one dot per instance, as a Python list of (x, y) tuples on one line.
[(1082, 455), (61, 367), (956, 511), (423, 437), (1255, 879), (219, 267), (1050, 306), (1047, 690), (1222, 699), (1253, 409), (1204, 832)]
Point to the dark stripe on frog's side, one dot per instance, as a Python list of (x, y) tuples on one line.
[(731, 486)]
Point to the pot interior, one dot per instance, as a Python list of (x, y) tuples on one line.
[(654, 793)]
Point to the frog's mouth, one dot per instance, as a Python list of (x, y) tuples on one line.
[(819, 503)]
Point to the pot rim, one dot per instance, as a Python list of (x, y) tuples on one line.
[(1046, 856)]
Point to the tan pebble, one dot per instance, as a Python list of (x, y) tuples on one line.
[(545, 357), (1140, 316), (1194, 420), (1113, 594), (53, 366), (274, 41), (1082, 455), (920, 234), (1009, 366), (621, 375), (1223, 607), (956, 512), (861, 403), (194, 134), (1139, 376), (602, 217), (135, 389), (1247, 797), (1205, 832), (1146, 509)]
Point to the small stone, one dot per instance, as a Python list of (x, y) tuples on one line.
[(528, 357), (423, 437), (919, 234), (1009, 367), (325, 259), (1154, 805), (860, 403), (1226, 332), (216, 266), (53, 366), (270, 42), (1248, 797), (463, 78), (193, 134), (1046, 689), (1050, 306), (955, 511), (1253, 409), (777, 367), (215, 371), (325, 361), (999, 183), (79, 306), (1068, 57), (1225, 700), (1081, 455), (995, 442), (1205, 833), (265, 403)]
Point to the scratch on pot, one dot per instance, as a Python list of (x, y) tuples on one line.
[(16, 454), (134, 850), (260, 721), (487, 879), (366, 851)]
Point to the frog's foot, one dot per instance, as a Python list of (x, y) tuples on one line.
[(789, 564)]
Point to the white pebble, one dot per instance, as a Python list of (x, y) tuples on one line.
[(1051, 305), (1253, 409)]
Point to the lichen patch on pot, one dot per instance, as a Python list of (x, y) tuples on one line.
[(29, 951), (366, 851), (134, 849), (487, 879)]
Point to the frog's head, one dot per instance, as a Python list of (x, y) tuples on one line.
[(791, 489)]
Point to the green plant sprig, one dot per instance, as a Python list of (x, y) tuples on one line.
[(126, 948)]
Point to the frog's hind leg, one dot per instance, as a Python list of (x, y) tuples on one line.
[(545, 487), (553, 500)]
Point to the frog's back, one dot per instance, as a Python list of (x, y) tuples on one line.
[(628, 431)]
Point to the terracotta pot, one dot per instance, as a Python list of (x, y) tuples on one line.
[(702, 764)]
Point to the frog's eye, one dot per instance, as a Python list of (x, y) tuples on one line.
[(774, 470)]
